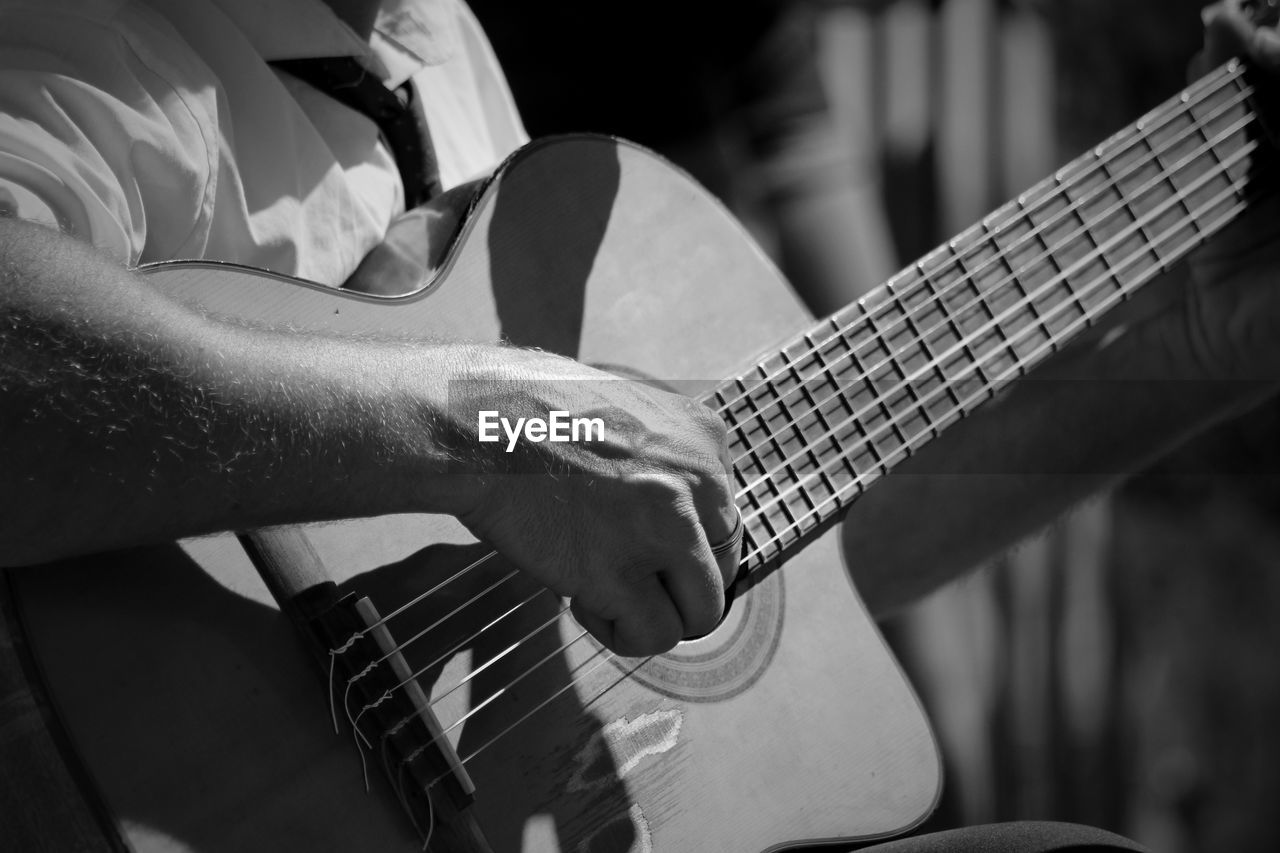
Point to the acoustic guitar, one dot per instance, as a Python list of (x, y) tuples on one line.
[(466, 698)]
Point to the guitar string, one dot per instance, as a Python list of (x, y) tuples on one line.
[(980, 299), (412, 677), (860, 482), (961, 346), (525, 717), (898, 303), (456, 576), (833, 502), (1087, 316), (472, 600), (958, 260), (1230, 73), (1090, 314), (958, 410), (919, 403), (574, 680)]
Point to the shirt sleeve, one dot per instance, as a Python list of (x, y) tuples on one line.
[(100, 133)]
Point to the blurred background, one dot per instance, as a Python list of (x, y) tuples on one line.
[(1118, 670)]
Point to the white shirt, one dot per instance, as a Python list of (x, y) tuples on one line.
[(155, 129)]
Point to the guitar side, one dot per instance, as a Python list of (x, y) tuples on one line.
[(201, 720)]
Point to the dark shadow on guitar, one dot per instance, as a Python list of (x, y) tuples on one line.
[(196, 708), (544, 238), (200, 713), (533, 739)]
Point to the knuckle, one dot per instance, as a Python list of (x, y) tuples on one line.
[(634, 571), (657, 490), (712, 425)]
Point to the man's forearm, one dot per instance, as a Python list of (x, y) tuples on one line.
[(127, 417), (1023, 459)]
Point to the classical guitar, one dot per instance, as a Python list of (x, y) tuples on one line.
[(471, 702)]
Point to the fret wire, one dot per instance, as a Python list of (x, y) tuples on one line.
[(1136, 255), (1070, 210), (877, 398), (1009, 376), (1102, 249), (1096, 250), (923, 341), (1234, 187), (898, 367), (1213, 84), (856, 422), (1241, 86), (744, 431), (788, 424), (1103, 306), (1111, 241), (1049, 253), (758, 549), (737, 434), (1155, 119), (812, 518), (1124, 233), (759, 515), (819, 417), (1213, 152), (1155, 157), (1014, 278), (802, 386), (932, 296), (971, 282)]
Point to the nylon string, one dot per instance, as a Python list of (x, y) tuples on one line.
[(859, 482)]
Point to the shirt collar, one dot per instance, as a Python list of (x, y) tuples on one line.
[(408, 34)]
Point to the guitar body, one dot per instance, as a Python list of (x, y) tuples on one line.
[(206, 726)]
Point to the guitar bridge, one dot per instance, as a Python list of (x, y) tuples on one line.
[(373, 686)]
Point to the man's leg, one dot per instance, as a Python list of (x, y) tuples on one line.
[(1022, 837)]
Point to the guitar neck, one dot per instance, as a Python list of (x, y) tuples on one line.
[(814, 424)]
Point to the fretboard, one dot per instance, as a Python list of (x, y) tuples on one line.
[(816, 423)]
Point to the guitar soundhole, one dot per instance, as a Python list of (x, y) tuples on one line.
[(725, 662)]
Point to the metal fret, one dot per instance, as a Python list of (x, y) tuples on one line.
[(840, 406), (1140, 187), (950, 371), (1050, 252), (755, 515), (843, 473), (891, 391), (776, 510), (981, 335), (808, 463), (1027, 274), (1212, 118)]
